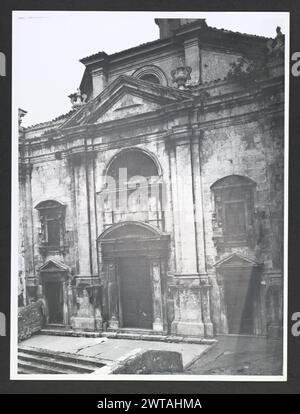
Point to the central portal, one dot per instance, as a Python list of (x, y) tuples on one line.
[(136, 294), (134, 259)]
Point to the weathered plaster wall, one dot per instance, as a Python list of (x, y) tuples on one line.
[(247, 150), (52, 180), (165, 61), (254, 150), (216, 65)]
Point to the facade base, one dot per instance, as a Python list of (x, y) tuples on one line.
[(187, 328), (80, 323)]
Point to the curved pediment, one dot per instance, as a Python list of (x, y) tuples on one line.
[(130, 230)]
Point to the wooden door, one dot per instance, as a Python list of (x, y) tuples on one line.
[(54, 298), (136, 292), (239, 289)]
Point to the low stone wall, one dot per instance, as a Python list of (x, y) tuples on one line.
[(151, 362), (30, 320)]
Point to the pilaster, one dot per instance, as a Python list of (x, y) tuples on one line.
[(113, 312), (192, 59), (157, 295)]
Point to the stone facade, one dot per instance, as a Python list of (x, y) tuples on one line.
[(198, 114)]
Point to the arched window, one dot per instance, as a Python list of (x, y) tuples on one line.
[(150, 78), (234, 207), (52, 218), (151, 73), (133, 188), (135, 161)]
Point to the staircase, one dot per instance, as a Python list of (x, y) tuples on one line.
[(42, 361)]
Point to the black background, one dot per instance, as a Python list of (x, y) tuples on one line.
[(148, 387)]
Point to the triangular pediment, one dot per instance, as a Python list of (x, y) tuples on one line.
[(126, 106), (237, 260), (54, 266), (125, 97)]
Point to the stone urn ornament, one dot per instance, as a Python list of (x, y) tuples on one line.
[(78, 99), (181, 75)]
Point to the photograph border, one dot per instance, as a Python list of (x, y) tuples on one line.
[(15, 224)]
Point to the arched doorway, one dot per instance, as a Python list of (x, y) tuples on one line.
[(133, 261)]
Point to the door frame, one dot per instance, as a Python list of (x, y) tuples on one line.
[(56, 277), (119, 281), (246, 282), (60, 284), (234, 262), (141, 239)]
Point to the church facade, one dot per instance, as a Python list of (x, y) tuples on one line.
[(156, 204)]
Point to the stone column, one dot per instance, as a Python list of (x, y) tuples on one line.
[(65, 303), (223, 323), (157, 295), (175, 206), (112, 295), (70, 301), (187, 291), (198, 200), (262, 299), (184, 209), (91, 193), (82, 214), (29, 236), (205, 299)]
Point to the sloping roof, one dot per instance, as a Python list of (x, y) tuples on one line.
[(52, 123), (62, 119), (158, 41)]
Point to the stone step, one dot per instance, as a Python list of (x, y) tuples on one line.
[(61, 356), (72, 367), (38, 360), (69, 332), (130, 334), (35, 368), (58, 326)]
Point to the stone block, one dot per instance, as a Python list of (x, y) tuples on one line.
[(149, 362), (149, 337), (128, 335), (107, 334), (187, 329), (81, 323)]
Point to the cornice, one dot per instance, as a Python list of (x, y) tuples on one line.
[(266, 96), (176, 134)]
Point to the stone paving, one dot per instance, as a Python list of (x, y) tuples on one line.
[(113, 349), (231, 355), (240, 355)]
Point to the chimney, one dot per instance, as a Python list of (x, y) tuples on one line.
[(167, 26)]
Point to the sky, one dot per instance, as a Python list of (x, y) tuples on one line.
[(47, 47)]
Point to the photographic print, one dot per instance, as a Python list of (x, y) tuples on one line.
[(150, 195)]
